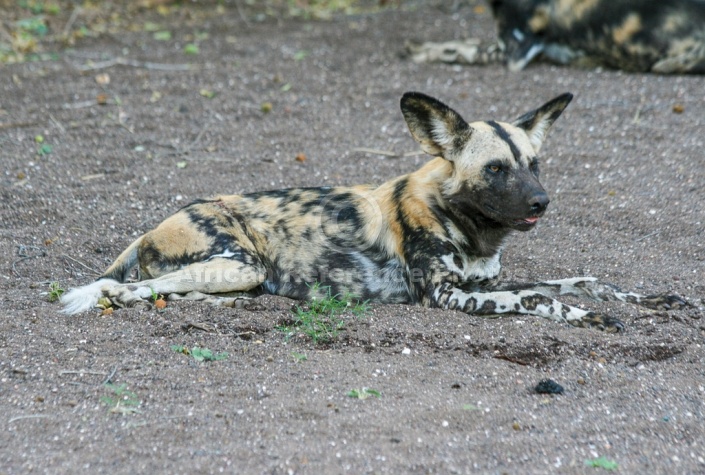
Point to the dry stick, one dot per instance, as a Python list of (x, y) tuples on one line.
[(190, 148), (69, 371), (66, 256), (110, 376), (243, 17), (637, 114), (61, 128), (647, 236), (387, 153), (23, 255), (17, 125), (31, 416), (135, 64), (70, 22)]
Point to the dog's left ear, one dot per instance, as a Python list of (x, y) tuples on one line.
[(436, 127), (538, 122)]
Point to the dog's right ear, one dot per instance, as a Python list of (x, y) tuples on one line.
[(436, 127)]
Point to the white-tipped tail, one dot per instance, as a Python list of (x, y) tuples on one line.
[(84, 298)]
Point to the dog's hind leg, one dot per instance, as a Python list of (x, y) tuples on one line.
[(592, 289), (208, 278)]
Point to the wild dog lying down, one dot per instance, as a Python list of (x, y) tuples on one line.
[(657, 36), (433, 237)]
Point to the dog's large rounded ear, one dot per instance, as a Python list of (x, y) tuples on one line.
[(436, 127), (538, 122)]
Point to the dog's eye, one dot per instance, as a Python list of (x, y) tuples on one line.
[(494, 168)]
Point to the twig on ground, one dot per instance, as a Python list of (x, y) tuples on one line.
[(375, 151), (387, 153), (30, 416), (58, 124), (189, 148), (511, 360), (647, 236), (240, 12), (66, 256), (71, 21), (110, 376), (22, 252), (135, 64), (81, 371), (16, 125)]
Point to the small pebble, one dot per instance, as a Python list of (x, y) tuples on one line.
[(548, 386)]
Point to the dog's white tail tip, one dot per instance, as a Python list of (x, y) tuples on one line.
[(84, 298)]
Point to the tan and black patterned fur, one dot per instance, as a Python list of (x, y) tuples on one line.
[(658, 36), (433, 237)]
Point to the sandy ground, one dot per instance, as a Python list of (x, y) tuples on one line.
[(623, 166)]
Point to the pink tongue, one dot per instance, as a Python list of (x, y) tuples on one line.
[(531, 220)]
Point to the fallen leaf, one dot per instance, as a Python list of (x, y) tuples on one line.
[(300, 157), (181, 164), (266, 107), (208, 94), (678, 108)]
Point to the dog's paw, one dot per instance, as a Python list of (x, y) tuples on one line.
[(125, 296), (601, 322), (664, 302)]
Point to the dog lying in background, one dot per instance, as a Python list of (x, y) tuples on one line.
[(658, 36), (433, 237)]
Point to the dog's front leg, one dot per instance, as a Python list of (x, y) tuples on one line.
[(470, 51), (593, 289), (524, 302)]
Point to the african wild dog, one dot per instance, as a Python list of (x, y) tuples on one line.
[(433, 237), (657, 36)]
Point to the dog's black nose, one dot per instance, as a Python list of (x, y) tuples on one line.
[(539, 203)]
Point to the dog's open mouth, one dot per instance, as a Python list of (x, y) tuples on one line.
[(526, 223)]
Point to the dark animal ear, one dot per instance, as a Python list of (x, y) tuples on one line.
[(436, 127), (538, 122)]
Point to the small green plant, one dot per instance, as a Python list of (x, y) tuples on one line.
[(121, 401), (200, 354), (321, 319), (363, 393), (44, 149), (155, 296), (191, 48), (602, 462), (55, 291), (299, 357)]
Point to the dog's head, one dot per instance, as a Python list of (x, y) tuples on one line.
[(520, 28), (495, 167)]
